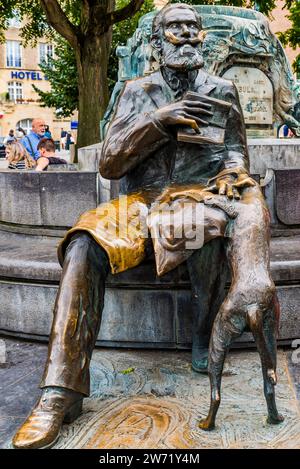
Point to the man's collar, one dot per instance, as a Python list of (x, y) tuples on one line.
[(179, 82), (36, 135), (160, 92), (201, 80)]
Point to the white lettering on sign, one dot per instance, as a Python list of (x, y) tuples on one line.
[(255, 93)]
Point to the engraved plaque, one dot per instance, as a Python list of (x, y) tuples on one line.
[(255, 93)]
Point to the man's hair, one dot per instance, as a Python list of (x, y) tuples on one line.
[(19, 153), (46, 143), (159, 17)]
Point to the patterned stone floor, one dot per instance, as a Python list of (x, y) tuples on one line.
[(152, 399)]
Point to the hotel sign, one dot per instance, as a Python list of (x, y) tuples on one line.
[(22, 75)]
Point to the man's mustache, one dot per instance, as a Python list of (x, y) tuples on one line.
[(182, 41), (180, 50)]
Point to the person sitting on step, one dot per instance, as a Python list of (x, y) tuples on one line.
[(46, 148), (18, 157)]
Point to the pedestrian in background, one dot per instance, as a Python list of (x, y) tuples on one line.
[(46, 149), (17, 157), (30, 141), (10, 138), (68, 140), (63, 135), (22, 131), (47, 132)]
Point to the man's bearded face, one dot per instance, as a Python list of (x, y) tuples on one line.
[(180, 45)]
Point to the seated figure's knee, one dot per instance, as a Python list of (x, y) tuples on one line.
[(78, 244), (83, 248), (226, 309)]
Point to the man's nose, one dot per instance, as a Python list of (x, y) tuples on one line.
[(185, 32)]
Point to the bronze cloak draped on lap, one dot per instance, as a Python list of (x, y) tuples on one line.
[(122, 226)]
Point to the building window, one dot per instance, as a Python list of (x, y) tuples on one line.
[(15, 90), (25, 124), (46, 51), (14, 22), (13, 54)]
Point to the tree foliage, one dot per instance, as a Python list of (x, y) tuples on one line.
[(61, 71), (122, 32), (264, 6), (292, 35), (86, 26)]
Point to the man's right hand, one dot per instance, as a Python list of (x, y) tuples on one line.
[(184, 112)]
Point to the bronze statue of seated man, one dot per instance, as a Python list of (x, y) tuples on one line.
[(169, 141)]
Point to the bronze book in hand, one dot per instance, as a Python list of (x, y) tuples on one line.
[(214, 132)]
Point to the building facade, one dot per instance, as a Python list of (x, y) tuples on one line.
[(19, 70)]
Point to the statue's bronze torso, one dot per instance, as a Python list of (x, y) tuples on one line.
[(168, 161)]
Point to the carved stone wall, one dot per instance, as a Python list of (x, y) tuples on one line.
[(255, 93), (233, 37)]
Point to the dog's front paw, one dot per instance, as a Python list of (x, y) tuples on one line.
[(206, 424), (222, 202)]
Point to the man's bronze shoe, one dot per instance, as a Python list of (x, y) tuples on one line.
[(41, 429), (199, 359)]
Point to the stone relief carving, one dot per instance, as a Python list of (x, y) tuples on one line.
[(232, 37)]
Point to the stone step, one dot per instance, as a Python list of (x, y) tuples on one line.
[(34, 258), (141, 310), (53, 199)]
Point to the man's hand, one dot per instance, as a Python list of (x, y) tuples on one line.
[(184, 112), (230, 185)]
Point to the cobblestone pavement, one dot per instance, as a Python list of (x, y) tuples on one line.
[(152, 399)]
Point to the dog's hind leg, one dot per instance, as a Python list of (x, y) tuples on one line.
[(263, 327), (215, 369), (223, 334)]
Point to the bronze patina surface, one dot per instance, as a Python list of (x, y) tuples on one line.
[(143, 149)]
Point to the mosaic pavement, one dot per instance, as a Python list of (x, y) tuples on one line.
[(152, 399)]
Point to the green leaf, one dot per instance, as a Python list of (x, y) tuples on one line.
[(126, 372)]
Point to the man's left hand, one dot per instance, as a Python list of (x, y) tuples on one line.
[(231, 185)]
